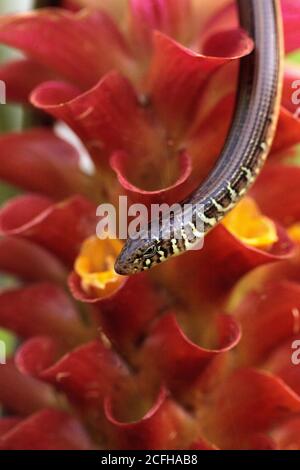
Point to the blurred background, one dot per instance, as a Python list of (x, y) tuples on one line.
[(11, 118)]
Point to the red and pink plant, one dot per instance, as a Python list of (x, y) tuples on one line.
[(195, 354)]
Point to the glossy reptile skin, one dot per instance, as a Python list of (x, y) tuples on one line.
[(245, 150)]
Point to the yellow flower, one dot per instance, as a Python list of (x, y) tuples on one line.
[(248, 224), (95, 266)]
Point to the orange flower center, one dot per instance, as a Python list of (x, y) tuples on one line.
[(95, 266), (248, 224), (294, 232)]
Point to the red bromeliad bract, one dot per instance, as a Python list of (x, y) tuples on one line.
[(196, 354)]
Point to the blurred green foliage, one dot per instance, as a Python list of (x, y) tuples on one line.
[(10, 120), (10, 342), (294, 158), (10, 115), (294, 57)]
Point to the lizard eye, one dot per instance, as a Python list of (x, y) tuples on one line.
[(150, 251)]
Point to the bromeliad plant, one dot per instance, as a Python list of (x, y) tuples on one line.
[(196, 354)]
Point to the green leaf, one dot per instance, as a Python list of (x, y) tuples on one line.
[(10, 341), (294, 57), (7, 191)]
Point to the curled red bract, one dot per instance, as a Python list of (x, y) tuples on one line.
[(197, 353)]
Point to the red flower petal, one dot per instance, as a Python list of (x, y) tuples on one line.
[(37, 354), (75, 284), (202, 444), (61, 228), (55, 92), (165, 426), (125, 314), (108, 117), (29, 261), (123, 165), (229, 43), (216, 105), (288, 131), (21, 77), (6, 424), (291, 14), (262, 442), (270, 309), (181, 361), (277, 192), (23, 394), (178, 74), (47, 430), (292, 73), (205, 141), (38, 160), (172, 17), (205, 276), (74, 45), (288, 435), (41, 309), (87, 374), (247, 403), (280, 362), (217, 16), (115, 8)]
